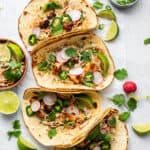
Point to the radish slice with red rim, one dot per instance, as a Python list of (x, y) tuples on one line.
[(50, 99), (96, 148), (72, 110), (74, 14), (35, 106), (61, 56), (97, 78), (76, 71), (36, 31)]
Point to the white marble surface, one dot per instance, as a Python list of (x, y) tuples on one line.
[(127, 50)]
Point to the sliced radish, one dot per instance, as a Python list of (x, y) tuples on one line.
[(97, 78), (61, 56), (74, 14), (35, 106), (96, 148), (72, 110), (76, 71), (36, 31), (29, 48), (50, 99)]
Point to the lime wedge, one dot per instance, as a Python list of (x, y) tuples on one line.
[(24, 144), (9, 102), (112, 32), (5, 53), (107, 14), (16, 51), (142, 129)]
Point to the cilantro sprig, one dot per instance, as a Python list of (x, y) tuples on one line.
[(121, 74)]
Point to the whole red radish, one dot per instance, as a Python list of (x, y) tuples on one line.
[(129, 87)]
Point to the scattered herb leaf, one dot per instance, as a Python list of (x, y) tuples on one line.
[(118, 99), (147, 41), (124, 116), (112, 122), (15, 133), (16, 124), (72, 52), (121, 74), (98, 5), (132, 104)]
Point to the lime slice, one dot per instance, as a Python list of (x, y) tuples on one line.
[(16, 51), (9, 102), (112, 32), (107, 14), (141, 129), (5, 53), (24, 144)]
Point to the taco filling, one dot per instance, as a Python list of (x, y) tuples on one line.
[(53, 19), (60, 110), (76, 65), (12, 63), (101, 136)]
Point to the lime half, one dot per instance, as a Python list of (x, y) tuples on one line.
[(107, 14), (5, 53), (24, 144), (142, 129), (112, 32), (9, 102)]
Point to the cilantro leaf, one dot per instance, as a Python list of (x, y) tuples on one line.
[(16, 124), (112, 122), (43, 66), (124, 116), (51, 116), (118, 99), (51, 58), (147, 41), (86, 56), (14, 65), (132, 104), (15, 133), (121, 74), (52, 133), (72, 52), (98, 5)]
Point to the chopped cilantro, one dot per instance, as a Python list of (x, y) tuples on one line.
[(71, 52), (112, 122), (51, 58), (132, 104), (16, 124), (52, 133), (124, 116), (15, 133), (86, 56), (147, 41), (51, 116), (121, 74), (118, 99), (43, 66)]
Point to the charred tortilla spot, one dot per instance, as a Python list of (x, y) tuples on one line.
[(25, 13), (83, 38), (95, 105), (51, 15), (3, 41)]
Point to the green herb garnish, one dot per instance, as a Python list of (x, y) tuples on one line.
[(15, 133), (51, 116), (29, 111), (98, 5), (132, 104), (43, 66), (16, 124), (85, 56), (147, 41), (121, 74), (70, 64), (124, 116), (12, 75), (112, 122), (72, 52), (51, 58), (51, 6), (88, 79), (52, 133), (118, 99)]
